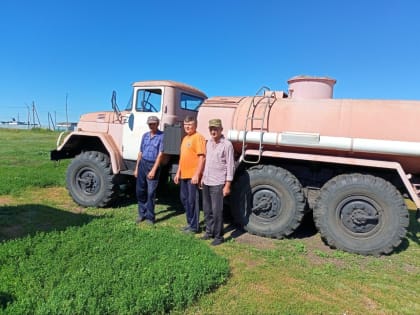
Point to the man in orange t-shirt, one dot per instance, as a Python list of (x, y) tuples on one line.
[(190, 170)]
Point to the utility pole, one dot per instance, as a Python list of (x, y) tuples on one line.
[(50, 119), (34, 112), (67, 116), (29, 115)]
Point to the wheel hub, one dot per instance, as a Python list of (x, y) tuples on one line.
[(88, 182), (266, 203), (359, 215)]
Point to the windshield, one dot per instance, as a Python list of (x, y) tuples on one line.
[(130, 103), (149, 100)]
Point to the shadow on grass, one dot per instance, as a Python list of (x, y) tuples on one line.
[(168, 213), (306, 228), (168, 196), (23, 220), (6, 298), (412, 232), (414, 228)]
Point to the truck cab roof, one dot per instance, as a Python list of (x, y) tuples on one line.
[(174, 84)]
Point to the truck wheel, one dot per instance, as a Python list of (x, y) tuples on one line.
[(361, 214), (268, 201), (90, 180)]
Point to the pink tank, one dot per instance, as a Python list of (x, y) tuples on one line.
[(308, 120)]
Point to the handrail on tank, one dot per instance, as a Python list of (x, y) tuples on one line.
[(252, 118), (262, 89)]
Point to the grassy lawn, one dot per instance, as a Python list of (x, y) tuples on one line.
[(299, 275), (25, 160)]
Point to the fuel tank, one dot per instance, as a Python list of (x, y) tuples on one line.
[(306, 119)]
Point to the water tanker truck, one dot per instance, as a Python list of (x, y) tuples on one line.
[(352, 163)]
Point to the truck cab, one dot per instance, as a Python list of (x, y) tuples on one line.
[(170, 101), (105, 144)]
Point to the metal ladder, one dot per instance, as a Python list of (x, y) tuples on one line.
[(267, 101)]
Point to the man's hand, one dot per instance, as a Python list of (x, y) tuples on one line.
[(226, 189), (194, 180), (151, 174)]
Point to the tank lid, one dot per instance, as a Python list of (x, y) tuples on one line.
[(308, 87), (299, 78)]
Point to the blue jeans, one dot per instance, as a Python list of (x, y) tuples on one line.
[(146, 190), (213, 210), (190, 200)]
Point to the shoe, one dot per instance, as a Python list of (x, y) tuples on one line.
[(191, 230), (206, 237), (195, 231), (150, 222), (217, 241), (185, 228), (140, 219)]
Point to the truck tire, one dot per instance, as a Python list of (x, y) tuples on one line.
[(361, 214), (90, 181), (268, 201)]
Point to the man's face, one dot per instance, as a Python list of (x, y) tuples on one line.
[(153, 127), (190, 127), (215, 133)]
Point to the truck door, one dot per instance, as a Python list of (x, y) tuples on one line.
[(188, 106), (146, 102)]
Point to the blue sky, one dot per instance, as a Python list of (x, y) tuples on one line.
[(85, 49)]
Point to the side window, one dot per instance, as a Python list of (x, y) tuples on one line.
[(149, 100), (190, 102)]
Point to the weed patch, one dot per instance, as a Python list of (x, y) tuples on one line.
[(108, 266)]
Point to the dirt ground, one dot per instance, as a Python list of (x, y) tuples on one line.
[(306, 233)]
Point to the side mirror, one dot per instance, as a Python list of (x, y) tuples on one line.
[(114, 104), (131, 121)]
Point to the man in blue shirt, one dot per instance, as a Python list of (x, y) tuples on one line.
[(147, 170)]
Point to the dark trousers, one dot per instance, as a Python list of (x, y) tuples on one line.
[(190, 200), (213, 210), (146, 190)]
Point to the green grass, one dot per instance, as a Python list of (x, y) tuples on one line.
[(299, 275), (107, 266), (28, 219), (25, 160)]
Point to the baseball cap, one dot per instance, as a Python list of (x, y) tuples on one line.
[(152, 120), (215, 123)]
